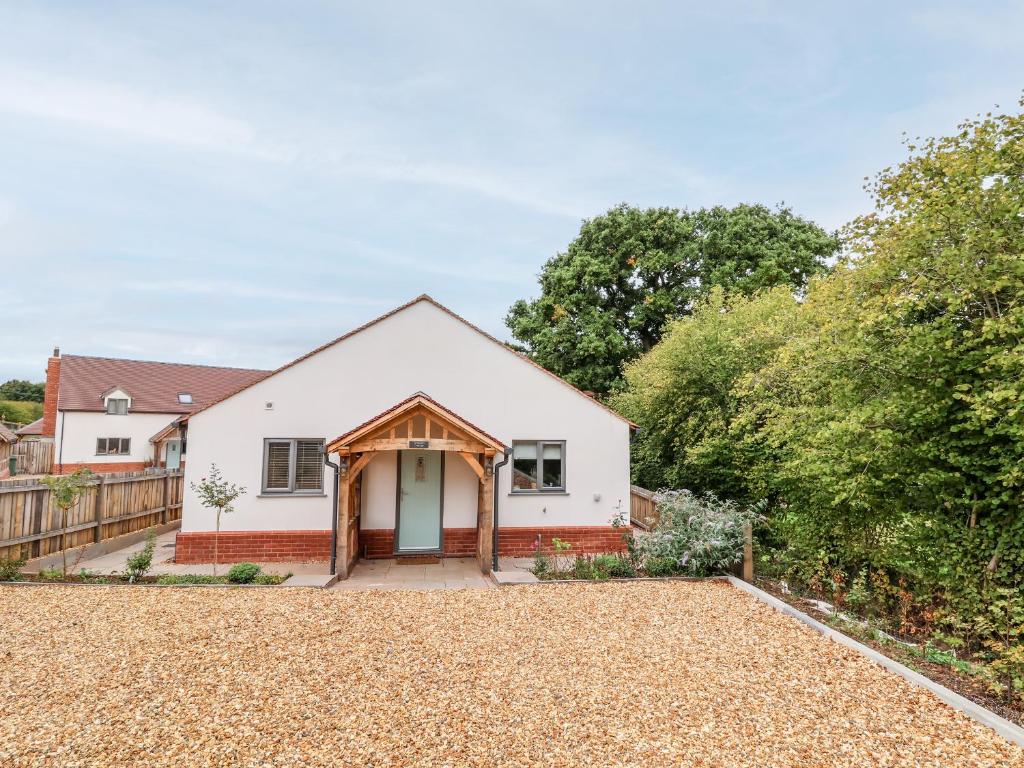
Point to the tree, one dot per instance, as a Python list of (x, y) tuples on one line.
[(22, 391), (216, 493), (605, 300), (65, 492)]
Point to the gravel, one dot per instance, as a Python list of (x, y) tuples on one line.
[(638, 674)]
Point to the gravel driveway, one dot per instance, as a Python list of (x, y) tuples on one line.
[(639, 674)]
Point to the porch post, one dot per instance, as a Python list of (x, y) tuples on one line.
[(341, 551), (485, 528)]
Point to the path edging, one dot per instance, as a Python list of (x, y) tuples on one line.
[(1000, 725)]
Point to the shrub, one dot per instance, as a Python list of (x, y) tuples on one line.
[(541, 563), (10, 568), (138, 565), (243, 573), (51, 574), (616, 566), (661, 566), (188, 578), (703, 535), (269, 578)]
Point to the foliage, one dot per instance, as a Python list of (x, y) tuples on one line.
[(51, 574), (616, 566), (138, 565), (65, 492), (19, 412), (189, 578), (270, 578), (22, 391), (10, 568), (605, 300), (218, 494), (702, 535), (656, 567), (243, 573), (882, 415)]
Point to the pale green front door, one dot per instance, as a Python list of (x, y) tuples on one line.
[(173, 459), (420, 480)]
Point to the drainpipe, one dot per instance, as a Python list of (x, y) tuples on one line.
[(494, 542), (334, 513)]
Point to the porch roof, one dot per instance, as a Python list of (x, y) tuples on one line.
[(405, 411)]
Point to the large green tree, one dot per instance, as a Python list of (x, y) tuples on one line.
[(605, 300), (22, 391)]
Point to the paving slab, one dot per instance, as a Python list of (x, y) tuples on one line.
[(317, 580)]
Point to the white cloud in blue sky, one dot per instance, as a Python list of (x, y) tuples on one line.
[(237, 184)]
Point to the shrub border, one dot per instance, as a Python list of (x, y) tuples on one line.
[(976, 712)]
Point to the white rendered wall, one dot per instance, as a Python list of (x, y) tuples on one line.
[(380, 490), (423, 349), (77, 431)]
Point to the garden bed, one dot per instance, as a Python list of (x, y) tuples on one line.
[(961, 676), (165, 579)]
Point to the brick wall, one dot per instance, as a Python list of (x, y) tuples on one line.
[(50, 396), (253, 546), (591, 540), (97, 466)]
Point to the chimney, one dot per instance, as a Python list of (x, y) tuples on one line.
[(50, 395)]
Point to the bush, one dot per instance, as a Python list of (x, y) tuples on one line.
[(243, 573), (615, 566), (20, 412), (138, 565), (188, 578), (51, 574), (10, 568), (703, 535), (661, 566), (269, 578)]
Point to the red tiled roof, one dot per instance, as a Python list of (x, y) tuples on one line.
[(153, 387), (443, 308), (6, 436), (35, 428)]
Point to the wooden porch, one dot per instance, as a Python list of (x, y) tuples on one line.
[(423, 424)]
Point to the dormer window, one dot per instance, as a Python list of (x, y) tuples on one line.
[(117, 406), (185, 398)]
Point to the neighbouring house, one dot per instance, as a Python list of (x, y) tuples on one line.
[(113, 415), (417, 433), (7, 439), (31, 431)]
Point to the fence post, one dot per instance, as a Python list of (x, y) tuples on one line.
[(167, 496), (748, 552), (101, 502)]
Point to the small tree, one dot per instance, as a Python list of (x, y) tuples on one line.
[(217, 494), (65, 491)]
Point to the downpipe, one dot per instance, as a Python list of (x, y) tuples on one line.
[(334, 513), (494, 533)]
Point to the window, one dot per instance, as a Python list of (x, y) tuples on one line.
[(113, 446), (292, 465), (185, 398), (538, 466), (117, 406)]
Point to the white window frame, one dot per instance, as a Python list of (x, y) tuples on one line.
[(120, 440), (185, 398), (291, 490), (540, 489), (111, 402)]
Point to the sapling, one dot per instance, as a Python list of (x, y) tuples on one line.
[(218, 494), (65, 492)]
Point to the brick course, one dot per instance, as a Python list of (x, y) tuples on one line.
[(255, 546), (97, 467), (50, 394)]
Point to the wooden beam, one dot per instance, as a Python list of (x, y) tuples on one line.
[(359, 465), (485, 526), (402, 443), (341, 554), (473, 463)]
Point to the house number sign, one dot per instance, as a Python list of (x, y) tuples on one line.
[(419, 443)]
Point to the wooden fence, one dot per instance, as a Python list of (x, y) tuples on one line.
[(35, 457), (643, 512), (30, 524)]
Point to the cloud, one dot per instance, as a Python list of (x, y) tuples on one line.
[(126, 112)]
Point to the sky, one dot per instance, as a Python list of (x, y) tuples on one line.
[(235, 183)]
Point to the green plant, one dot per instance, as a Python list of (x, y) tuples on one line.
[(615, 566), (218, 494), (189, 578), (243, 573), (560, 554), (541, 563), (703, 535), (270, 578), (138, 565), (660, 566), (10, 568), (51, 574), (65, 492)]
